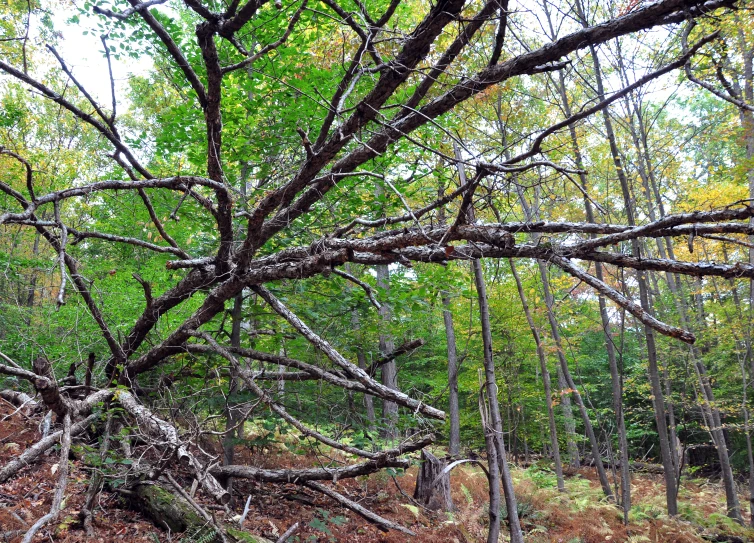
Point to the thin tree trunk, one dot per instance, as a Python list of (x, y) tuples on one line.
[(668, 462), (494, 427), (747, 122), (493, 532), (496, 424), (549, 302), (545, 380), (454, 439), (646, 173), (231, 413), (747, 435), (615, 376), (388, 371), (361, 357)]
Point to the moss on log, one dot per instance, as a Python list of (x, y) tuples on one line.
[(166, 509), (171, 512)]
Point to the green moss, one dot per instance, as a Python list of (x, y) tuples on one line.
[(167, 509), (245, 537)]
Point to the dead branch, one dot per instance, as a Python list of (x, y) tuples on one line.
[(276, 407), (206, 516), (163, 430), (350, 369), (18, 399), (288, 533), (57, 498), (30, 455), (382, 523), (385, 459), (403, 349), (367, 289), (631, 306)]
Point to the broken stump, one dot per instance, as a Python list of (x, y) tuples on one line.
[(433, 484)]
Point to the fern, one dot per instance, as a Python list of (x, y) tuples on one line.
[(467, 495), (202, 535)]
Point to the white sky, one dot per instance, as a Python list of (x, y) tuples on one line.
[(84, 55)]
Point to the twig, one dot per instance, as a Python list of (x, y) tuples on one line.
[(245, 511), (367, 289), (288, 533), (382, 523), (123, 15)]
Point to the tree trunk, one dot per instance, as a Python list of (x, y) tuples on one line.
[(231, 413), (454, 439), (496, 424), (434, 496), (361, 358), (388, 371), (549, 302), (168, 510), (747, 435), (493, 422), (493, 532), (653, 368), (615, 374), (545, 380), (646, 172)]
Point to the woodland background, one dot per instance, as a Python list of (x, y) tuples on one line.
[(649, 369)]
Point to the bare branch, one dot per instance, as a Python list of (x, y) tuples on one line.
[(274, 406), (631, 306), (350, 369), (270, 46), (367, 289), (374, 518), (161, 429), (123, 15), (57, 498)]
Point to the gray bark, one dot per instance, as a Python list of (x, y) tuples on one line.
[(615, 374), (495, 421), (549, 302), (545, 381), (433, 484), (653, 369), (389, 370)]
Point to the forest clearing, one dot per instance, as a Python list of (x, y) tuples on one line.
[(376, 270)]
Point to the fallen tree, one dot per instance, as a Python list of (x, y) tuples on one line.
[(395, 82)]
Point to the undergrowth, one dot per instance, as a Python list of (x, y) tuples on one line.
[(582, 514)]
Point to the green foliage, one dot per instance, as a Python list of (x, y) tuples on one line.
[(694, 146), (322, 521)]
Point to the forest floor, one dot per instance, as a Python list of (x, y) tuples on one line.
[(580, 515)]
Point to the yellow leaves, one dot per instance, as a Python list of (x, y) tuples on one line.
[(712, 196)]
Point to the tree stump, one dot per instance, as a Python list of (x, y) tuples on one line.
[(432, 485)]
